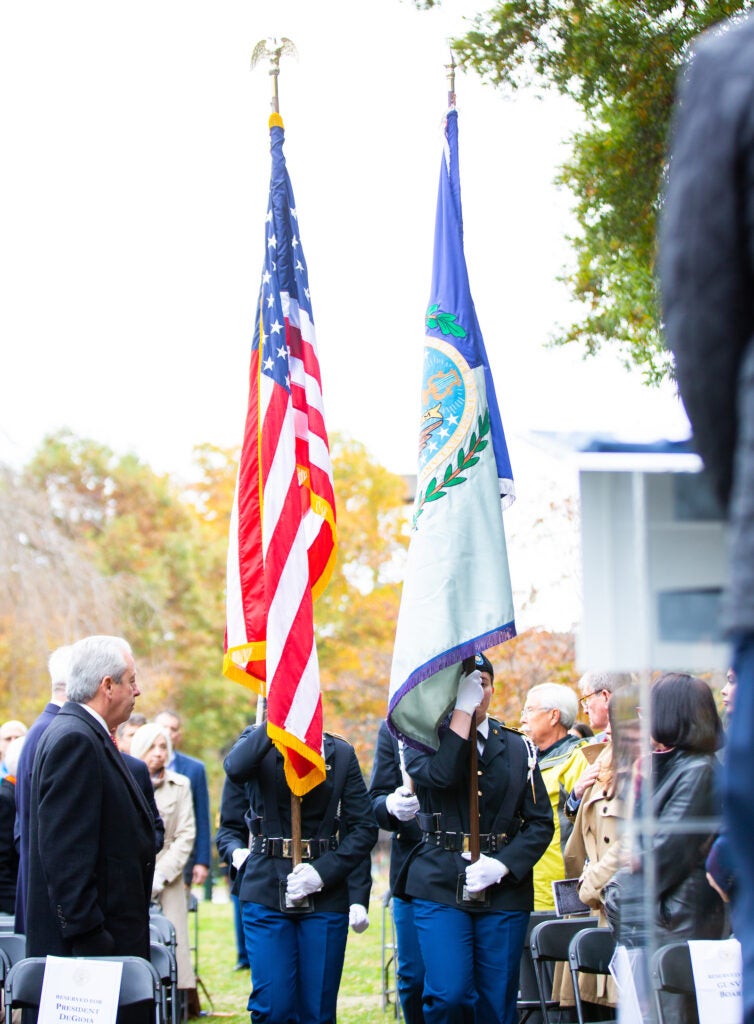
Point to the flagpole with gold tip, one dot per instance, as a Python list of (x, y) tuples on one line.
[(272, 49), (451, 69)]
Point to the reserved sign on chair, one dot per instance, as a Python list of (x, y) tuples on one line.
[(78, 991), (716, 966)]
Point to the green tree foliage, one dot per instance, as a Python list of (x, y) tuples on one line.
[(618, 61)]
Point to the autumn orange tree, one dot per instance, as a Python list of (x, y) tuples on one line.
[(535, 656), (92, 541)]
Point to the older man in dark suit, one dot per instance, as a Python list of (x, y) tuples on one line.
[(91, 836)]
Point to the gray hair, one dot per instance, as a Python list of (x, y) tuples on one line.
[(595, 682), (562, 698), (59, 666), (92, 659)]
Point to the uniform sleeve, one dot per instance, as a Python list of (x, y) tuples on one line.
[(233, 833), (360, 883), (443, 769), (358, 827), (386, 778), (536, 831), (247, 754)]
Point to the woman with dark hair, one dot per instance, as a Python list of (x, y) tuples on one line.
[(686, 732)]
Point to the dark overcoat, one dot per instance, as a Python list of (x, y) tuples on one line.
[(91, 845)]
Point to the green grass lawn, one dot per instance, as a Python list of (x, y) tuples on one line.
[(360, 997)]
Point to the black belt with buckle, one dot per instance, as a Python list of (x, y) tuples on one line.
[(458, 842), (310, 848)]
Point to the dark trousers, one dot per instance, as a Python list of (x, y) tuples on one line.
[(471, 962), (410, 973), (296, 963), (739, 809)]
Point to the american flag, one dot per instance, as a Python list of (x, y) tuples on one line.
[(282, 534)]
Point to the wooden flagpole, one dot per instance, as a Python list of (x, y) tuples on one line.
[(474, 846)]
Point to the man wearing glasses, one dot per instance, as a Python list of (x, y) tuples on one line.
[(596, 688)]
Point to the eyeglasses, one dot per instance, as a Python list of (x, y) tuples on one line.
[(584, 701), (530, 711)]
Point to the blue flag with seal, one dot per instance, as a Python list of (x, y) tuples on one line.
[(456, 599)]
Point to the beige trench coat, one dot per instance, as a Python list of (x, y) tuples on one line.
[(176, 807), (592, 854)]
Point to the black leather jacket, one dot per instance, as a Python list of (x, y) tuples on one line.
[(688, 907)]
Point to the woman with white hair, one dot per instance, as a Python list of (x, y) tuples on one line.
[(172, 793)]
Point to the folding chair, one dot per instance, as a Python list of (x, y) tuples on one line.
[(590, 952), (549, 942), (163, 960), (140, 983), (14, 946), (671, 974), (5, 966), (162, 930), (528, 991)]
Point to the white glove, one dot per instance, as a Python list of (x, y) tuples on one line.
[(483, 872), (158, 884), (358, 917), (238, 857), (470, 692), (402, 804), (303, 881)]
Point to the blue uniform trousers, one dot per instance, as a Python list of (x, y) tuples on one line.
[(241, 956), (739, 810), (410, 971), (296, 963), (472, 963)]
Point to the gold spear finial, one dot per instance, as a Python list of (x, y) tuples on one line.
[(273, 49), (451, 69)]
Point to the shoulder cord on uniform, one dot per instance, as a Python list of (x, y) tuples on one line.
[(531, 761)]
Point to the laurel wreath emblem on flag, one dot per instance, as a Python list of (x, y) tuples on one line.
[(453, 428)]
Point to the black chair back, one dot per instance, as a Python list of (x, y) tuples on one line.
[(163, 960), (14, 946), (671, 974), (590, 952), (140, 983), (528, 991), (549, 942)]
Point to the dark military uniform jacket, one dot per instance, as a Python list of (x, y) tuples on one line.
[(338, 828), (515, 817)]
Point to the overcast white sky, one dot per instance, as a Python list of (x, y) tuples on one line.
[(134, 185)]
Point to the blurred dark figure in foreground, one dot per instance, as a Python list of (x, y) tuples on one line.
[(706, 265)]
